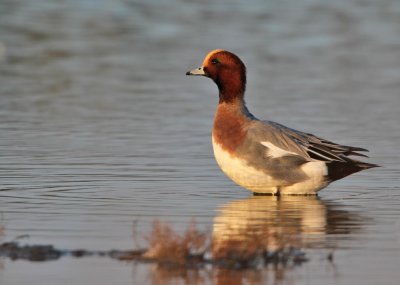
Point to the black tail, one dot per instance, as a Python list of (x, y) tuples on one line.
[(340, 169)]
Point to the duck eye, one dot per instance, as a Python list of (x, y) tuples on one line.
[(215, 61)]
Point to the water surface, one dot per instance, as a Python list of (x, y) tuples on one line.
[(101, 130)]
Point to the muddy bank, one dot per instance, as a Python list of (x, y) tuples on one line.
[(289, 256), (191, 249), (14, 251)]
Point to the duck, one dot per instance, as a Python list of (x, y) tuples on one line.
[(266, 157)]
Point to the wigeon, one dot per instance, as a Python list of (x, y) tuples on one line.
[(263, 156)]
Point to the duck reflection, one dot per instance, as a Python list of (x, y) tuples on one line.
[(270, 221), (280, 221), (265, 223)]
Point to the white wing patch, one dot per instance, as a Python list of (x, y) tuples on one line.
[(275, 152)]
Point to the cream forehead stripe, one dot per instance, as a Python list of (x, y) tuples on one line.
[(210, 54)]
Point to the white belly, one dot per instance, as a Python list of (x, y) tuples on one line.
[(260, 182)]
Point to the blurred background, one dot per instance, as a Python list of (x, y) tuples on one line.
[(100, 128)]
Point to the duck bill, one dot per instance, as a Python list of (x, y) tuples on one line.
[(198, 71)]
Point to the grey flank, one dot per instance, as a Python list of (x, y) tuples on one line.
[(306, 147)]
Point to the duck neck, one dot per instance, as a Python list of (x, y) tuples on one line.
[(231, 87), (234, 106), (231, 95)]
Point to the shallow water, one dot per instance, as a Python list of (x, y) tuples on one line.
[(100, 130)]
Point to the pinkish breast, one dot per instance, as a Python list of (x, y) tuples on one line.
[(229, 127)]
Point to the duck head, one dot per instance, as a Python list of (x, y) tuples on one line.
[(227, 71)]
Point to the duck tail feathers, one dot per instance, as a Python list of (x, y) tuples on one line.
[(340, 169)]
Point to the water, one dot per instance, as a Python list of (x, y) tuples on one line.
[(101, 130)]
